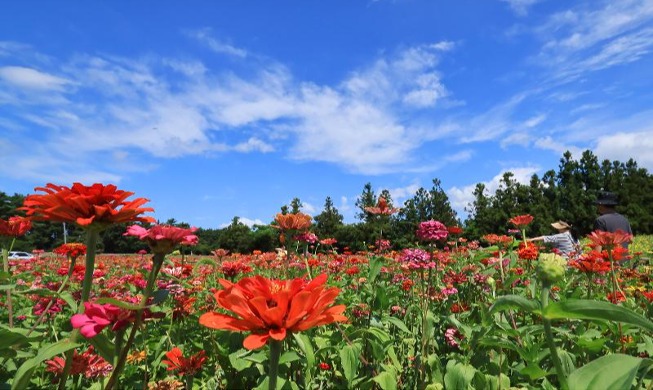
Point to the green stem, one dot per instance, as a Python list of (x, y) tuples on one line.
[(544, 299), (189, 382), (5, 268), (275, 354), (120, 364), (92, 235)]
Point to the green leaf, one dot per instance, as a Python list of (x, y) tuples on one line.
[(7, 287), (68, 298), (25, 371), (585, 309), (305, 345), (533, 371), (349, 361), (9, 338), (159, 297), (376, 263), (237, 361), (5, 275), (387, 380), (396, 322), (616, 371), (288, 356), (103, 346), (459, 376), (121, 304), (515, 301)]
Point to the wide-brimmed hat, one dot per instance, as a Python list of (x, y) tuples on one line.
[(560, 225), (607, 198)]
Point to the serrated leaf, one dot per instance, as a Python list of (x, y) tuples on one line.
[(386, 380)]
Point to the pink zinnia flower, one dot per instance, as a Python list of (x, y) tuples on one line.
[(163, 238), (432, 231), (417, 259), (96, 317)]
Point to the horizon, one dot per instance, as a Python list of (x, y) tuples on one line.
[(213, 111)]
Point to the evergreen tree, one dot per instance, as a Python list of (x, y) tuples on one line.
[(366, 199), (328, 221)]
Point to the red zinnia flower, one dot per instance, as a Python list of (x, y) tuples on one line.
[(591, 262), (528, 251), (14, 226), (271, 308), (521, 221), (162, 238), (184, 366), (88, 363), (609, 241), (381, 208), (85, 205), (73, 250)]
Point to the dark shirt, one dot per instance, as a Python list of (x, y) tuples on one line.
[(612, 222)]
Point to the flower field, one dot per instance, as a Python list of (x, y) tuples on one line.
[(448, 313)]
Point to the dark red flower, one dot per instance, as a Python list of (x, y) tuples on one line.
[(184, 366), (15, 226), (521, 221)]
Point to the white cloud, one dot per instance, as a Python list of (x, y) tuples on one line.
[(584, 39), (245, 221), (32, 79), (461, 197), (204, 36), (253, 145), (520, 7), (400, 193), (624, 146)]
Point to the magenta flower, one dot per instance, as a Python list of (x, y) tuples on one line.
[(163, 238), (432, 231), (96, 317), (417, 259)]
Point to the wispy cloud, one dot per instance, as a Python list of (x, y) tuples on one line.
[(33, 79), (206, 37), (520, 7)]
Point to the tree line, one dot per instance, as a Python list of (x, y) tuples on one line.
[(567, 193)]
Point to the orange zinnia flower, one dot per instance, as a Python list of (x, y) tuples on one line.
[(15, 226), (272, 308), (299, 221), (85, 205), (521, 220), (382, 208)]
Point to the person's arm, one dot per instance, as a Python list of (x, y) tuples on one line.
[(540, 238)]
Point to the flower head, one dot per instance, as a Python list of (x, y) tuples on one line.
[(184, 366), (521, 221), (14, 226), (432, 231), (382, 208), (417, 259), (85, 205), (96, 317), (271, 308), (88, 363), (72, 250), (298, 221), (162, 239), (608, 240)]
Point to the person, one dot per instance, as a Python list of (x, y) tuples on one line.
[(610, 220), (563, 242)]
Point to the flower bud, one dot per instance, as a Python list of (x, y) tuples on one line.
[(551, 268)]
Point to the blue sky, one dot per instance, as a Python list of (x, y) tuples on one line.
[(220, 109)]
